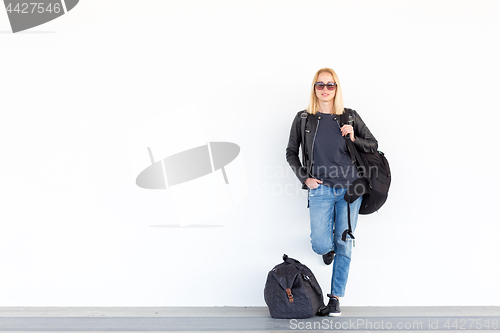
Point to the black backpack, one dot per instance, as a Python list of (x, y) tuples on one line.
[(292, 291), (373, 168)]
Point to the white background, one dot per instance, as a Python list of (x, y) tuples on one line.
[(75, 93)]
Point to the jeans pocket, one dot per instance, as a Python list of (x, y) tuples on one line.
[(312, 191)]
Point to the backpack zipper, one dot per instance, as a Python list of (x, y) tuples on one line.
[(312, 150)]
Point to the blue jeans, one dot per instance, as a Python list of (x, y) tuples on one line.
[(328, 212)]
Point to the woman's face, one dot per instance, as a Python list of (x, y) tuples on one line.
[(325, 95)]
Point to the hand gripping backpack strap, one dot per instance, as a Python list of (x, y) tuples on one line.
[(353, 152), (344, 119)]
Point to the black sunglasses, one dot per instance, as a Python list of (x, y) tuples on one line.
[(329, 85)]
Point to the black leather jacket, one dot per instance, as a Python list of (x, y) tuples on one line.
[(364, 141)]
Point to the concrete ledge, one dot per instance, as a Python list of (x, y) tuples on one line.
[(237, 319)]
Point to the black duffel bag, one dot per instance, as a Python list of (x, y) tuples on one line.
[(292, 291)]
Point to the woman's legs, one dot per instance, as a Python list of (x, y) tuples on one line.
[(343, 249), (328, 211), (321, 208)]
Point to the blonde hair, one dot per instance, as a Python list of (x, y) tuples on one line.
[(338, 102)]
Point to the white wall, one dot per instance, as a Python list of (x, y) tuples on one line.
[(77, 92)]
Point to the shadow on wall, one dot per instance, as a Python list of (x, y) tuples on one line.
[(201, 182)]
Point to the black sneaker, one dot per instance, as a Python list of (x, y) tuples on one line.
[(328, 258), (333, 306)]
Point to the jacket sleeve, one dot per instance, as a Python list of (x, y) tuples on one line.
[(364, 139), (292, 150)]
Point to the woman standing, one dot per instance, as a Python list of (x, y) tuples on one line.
[(326, 172)]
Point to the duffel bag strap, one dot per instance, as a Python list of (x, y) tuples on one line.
[(289, 294)]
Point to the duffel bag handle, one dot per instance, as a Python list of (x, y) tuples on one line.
[(294, 262)]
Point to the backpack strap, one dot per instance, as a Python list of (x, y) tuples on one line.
[(344, 120), (348, 231), (303, 117)]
